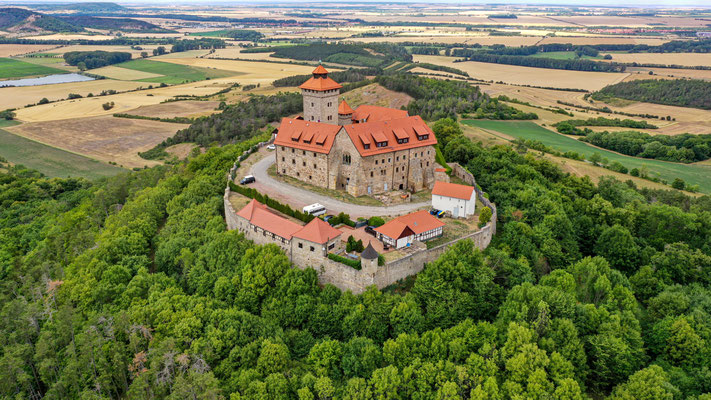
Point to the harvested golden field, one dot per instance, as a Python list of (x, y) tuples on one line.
[(123, 74), (17, 97), (528, 76), (188, 108), (685, 59), (9, 50), (236, 52), (377, 95), (421, 36), (123, 102), (604, 40), (103, 138), (71, 36), (252, 72), (181, 151), (148, 48), (666, 73)]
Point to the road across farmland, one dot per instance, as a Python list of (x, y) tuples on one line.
[(297, 197)]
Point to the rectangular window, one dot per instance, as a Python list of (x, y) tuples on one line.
[(301, 245), (312, 248)]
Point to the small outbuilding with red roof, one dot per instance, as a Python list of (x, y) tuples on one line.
[(402, 231), (457, 200)]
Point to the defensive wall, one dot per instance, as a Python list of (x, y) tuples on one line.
[(357, 281)]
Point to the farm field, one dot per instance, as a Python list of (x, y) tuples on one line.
[(16, 97), (123, 74), (177, 109), (51, 161), (694, 174), (170, 73), (104, 138), (135, 53), (518, 75), (236, 52), (9, 50), (455, 39), (585, 40), (563, 55), (685, 59), (667, 73), (12, 68)]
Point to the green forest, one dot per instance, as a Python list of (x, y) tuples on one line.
[(95, 59), (350, 54), (131, 287), (674, 92), (685, 148)]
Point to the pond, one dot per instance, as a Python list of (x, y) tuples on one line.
[(47, 80)]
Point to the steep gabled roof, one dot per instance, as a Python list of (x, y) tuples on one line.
[(259, 215), (447, 189), (408, 131), (317, 231), (375, 113), (306, 135), (344, 108), (416, 222)]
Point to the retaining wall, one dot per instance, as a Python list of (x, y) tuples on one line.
[(357, 281)]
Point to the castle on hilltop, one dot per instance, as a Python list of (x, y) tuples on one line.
[(368, 150)]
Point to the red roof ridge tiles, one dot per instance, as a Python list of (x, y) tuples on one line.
[(391, 132), (319, 140), (371, 113), (344, 108), (455, 190), (418, 222), (261, 216), (317, 231)]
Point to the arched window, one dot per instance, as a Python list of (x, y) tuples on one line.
[(346, 159)]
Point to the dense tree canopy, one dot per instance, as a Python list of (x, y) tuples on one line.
[(674, 92), (132, 287)]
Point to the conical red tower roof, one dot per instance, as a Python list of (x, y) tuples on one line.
[(320, 70), (344, 108)]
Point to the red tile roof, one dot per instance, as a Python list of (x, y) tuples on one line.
[(344, 108), (259, 215), (318, 231), (320, 70), (375, 113), (297, 132), (382, 131), (447, 189), (320, 84), (440, 170), (418, 222)]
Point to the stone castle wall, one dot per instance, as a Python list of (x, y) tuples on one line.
[(357, 281)]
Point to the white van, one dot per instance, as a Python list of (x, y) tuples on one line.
[(315, 209)]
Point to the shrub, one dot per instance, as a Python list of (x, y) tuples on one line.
[(376, 221), (73, 96), (108, 105), (679, 184), (44, 100), (485, 216), (7, 115), (355, 264)]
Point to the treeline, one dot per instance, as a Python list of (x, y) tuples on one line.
[(237, 122), (674, 92), (95, 59), (351, 54), (443, 68), (197, 44), (123, 24), (538, 62), (271, 203), (435, 99), (243, 34), (686, 148), (347, 76), (570, 127)]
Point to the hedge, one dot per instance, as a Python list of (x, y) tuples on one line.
[(355, 264), (271, 203)]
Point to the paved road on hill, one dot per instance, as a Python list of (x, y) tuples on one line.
[(298, 197)]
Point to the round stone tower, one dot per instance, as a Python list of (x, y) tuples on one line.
[(345, 113), (369, 259)]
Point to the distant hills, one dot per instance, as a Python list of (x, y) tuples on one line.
[(97, 7), (24, 21)]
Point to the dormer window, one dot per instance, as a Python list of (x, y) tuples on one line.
[(403, 141), (366, 146), (423, 137), (382, 144)]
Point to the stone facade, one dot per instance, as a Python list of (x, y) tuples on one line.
[(321, 106), (304, 165)]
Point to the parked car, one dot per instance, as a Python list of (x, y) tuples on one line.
[(271, 147), (327, 217), (370, 229), (247, 180)]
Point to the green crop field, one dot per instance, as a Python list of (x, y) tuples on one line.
[(174, 73), (218, 33), (49, 160), (11, 68), (694, 174)]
